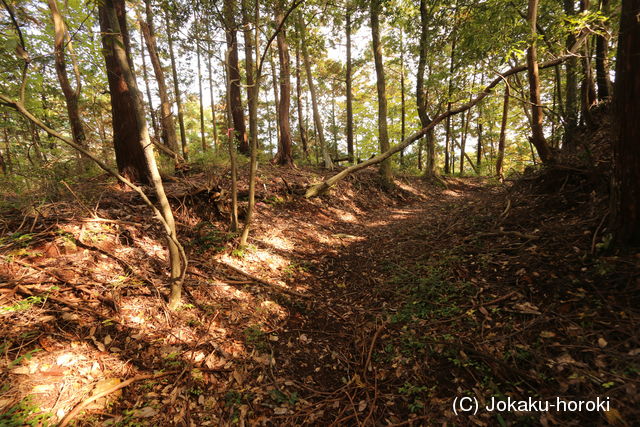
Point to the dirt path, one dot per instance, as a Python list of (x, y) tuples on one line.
[(371, 308)]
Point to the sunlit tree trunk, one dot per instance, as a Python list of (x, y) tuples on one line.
[(115, 42), (317, 119), (301, 129), (130, 157), (249, 66), (284, 156), (176, 88), (71, 95), (214, 120), (402, 98), (383, 136), (166, 116), (145, 78), (537, 139)]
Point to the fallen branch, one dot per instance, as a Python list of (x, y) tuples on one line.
[(318, 189), (504, 233), (71, 415), (264, 282)]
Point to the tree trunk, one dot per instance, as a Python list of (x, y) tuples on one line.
[(214, 121), (571, 95), (383, 136), (166, 116), (301, 128), (145, 77), (111, 17), (284, 157), (317, 120), (503, 133), (276, 96), (130, 156), (229, 12), (71, 96), (537, 139), (402, 98), (249, 67), (176, 89), (349, 94), (625, 187), (602, 61), (203, 140)]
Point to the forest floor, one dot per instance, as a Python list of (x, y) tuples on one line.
[(361, 307)]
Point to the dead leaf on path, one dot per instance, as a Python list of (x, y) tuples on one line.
[(526, 308)]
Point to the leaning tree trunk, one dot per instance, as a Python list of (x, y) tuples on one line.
[(383, 135), (284, 157), (537, 139), (130, 157), (625, 188), (116, 44), (71, 95), (166, 116), (317, 120), (147, 87)]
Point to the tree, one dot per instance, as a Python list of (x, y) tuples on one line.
[(130, 156), (503, 132), (61, 39), (112, 14), (421, 92), (625, 187), (349, 91), (537, 139), (237, 112), (166, 116), (383, 135), (176, 87), (317, 120), (571, 94), (284, 156)]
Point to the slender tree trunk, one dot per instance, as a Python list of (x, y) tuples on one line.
[(402, 98), (276, 96), (214, 121), (465, 129), (249, 66), (166, 116), (383, 136), (130, 156), (571, 95), (71, 95), (422, 95), (317, 120), (284, 157), (537, 139), (625, 186), (503, 132), (145, 77), (229, 12), (602, 60), (301, 128), (447, 143), (176, 89), (253, 106), (111, 20), (349, 94), (588, 86), (203, 141)]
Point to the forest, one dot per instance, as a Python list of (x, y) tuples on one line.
[(315, 212)]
